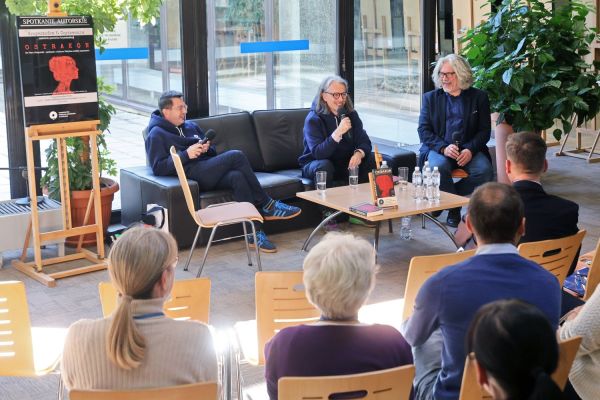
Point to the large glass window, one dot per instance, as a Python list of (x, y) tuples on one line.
[(387, 68), (265, 80)]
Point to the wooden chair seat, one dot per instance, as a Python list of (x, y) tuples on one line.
[(459, 173), (201, 391), (233, 212)]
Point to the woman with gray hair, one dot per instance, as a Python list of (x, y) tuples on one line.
[(334, 138), (339, 274), (137, 346), (454, 128)]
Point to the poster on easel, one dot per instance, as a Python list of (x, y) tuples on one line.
[(58, 69)]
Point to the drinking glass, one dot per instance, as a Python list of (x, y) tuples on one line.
[(321, 179), (353, 177), (403, 177)]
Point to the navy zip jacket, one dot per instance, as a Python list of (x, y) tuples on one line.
[(319, 145), (162, 135)]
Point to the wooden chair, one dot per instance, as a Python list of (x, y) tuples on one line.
[(556, 255), (200, 391), (23, 351), (420, 269), (387, 384), (470, 389), (217, 215), (190, 299), (593, 275)]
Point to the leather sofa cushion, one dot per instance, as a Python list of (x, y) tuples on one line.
[(280, 137), (234, 132)]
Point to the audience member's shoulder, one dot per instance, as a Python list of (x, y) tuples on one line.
[(565, 204)]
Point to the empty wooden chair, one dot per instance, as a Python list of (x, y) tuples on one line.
[(420, 269), (217, 215), (556, 255), (200, 391), (387, 384), (190, 299)]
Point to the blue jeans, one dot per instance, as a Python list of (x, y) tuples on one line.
[(229, 170), (479, 169), (338, 170)]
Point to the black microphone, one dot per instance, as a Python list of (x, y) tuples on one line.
[(209, 135), (342, 114), (456, 136)]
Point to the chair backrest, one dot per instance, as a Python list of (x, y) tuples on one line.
[(280, 302), (187, 193), (470, 389), (190, 299), (555, 255), (203, 391), (593, 274), (421, 268), (16, 351), (387, 384)]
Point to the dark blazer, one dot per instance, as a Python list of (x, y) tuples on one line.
[(432, 122), (546, 216)]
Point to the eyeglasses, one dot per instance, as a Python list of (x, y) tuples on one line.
[(446, 74), (338, 95), (182, 107)]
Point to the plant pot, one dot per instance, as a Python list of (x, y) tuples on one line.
[(79, 202), (501, 133)]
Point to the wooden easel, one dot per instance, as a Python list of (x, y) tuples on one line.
[(34, 269)]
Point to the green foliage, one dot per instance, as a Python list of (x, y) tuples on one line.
[(249, 13), (105, 13), (530, 60)]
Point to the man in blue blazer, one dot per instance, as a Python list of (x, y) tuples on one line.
[(454, 127)]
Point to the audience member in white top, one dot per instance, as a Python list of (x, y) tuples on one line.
[(137, 346)]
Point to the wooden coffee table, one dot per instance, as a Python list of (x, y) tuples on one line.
[(342, 197)]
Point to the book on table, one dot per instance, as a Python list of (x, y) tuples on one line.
[(382, 187), (366, 209)]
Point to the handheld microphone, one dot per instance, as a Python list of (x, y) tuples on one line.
[(341, 112), (209, 135), (456, 136)]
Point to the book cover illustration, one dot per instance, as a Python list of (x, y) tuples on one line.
[(382, 183), (366, 209), (58, 69)]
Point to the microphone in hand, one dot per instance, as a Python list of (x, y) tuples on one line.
[(209, 135), (456, 136), (341, 112)]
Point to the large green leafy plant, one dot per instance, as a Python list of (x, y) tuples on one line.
[(105, 13), (530, 59)]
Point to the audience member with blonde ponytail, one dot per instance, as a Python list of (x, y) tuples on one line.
[(138, 346)]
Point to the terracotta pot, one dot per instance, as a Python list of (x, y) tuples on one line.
[(79, 201), (501, 133)]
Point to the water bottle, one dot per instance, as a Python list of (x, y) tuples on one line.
[(427, 185), (435, 178), (405, 231), (417, 184), (384, 164)]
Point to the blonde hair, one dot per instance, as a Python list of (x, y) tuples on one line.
[(460, 66), (136, 262), (339, 274)]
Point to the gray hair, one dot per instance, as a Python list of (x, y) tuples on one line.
[(460, 65), (339, 274), (320, 105)]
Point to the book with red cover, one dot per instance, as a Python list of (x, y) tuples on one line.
[(382, 185), (366, 209)]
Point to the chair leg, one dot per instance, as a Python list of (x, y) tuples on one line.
[(187, 263), (256, 246), (423, 221), (390, 226), (247, 246), (212, 235)]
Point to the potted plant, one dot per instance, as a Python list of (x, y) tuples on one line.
[(529, 56)]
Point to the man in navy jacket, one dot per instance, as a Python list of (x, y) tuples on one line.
[(229, 170), (454, 127)]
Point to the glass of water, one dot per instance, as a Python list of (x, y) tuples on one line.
[(353, 177), (321, 179), (403, 177)]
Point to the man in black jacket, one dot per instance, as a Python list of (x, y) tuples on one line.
[(229, 170)]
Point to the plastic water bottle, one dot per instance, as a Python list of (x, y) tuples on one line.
[(417, 184), (405, 230), (427, 184), (435, 178), (383, 164)]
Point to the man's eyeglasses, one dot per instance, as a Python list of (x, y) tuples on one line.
[(446, 74), (182, 107), (338, 95)]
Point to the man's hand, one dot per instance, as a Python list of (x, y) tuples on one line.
[(355, 160), (451, 151), (464, 157), (195, 150)]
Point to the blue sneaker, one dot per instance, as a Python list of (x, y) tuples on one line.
[(264, 244), (275, 209)]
